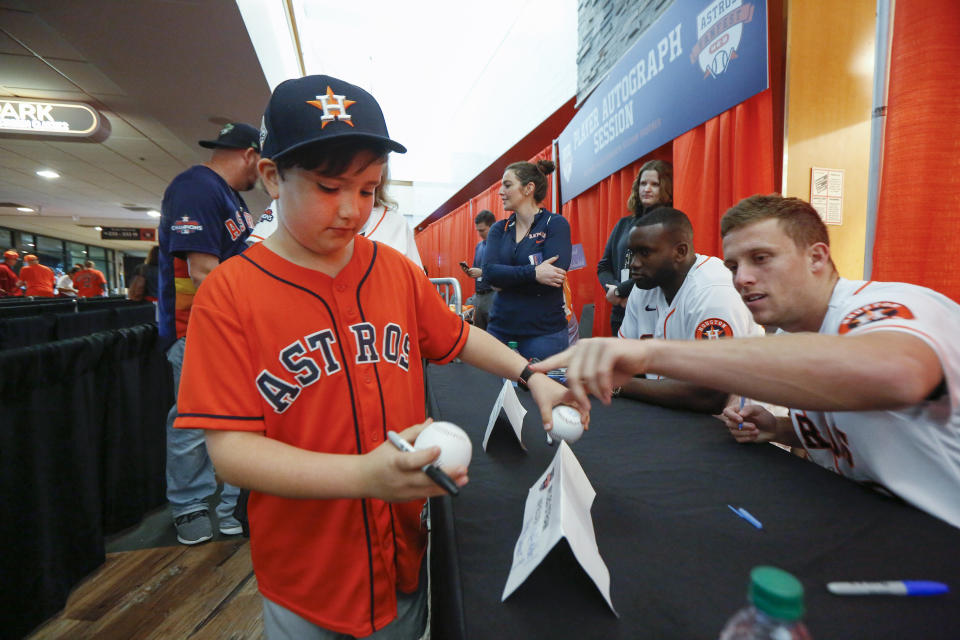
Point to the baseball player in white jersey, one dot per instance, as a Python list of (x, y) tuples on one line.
[(870, 370), (678, 295)]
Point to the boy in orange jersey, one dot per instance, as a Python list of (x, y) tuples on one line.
[(38, 278), (303, 352)]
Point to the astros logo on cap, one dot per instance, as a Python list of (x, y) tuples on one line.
[(334, 107)]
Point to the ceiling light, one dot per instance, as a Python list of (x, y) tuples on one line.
[(99, 228), (48, 173), (153, 213), (25, 209)]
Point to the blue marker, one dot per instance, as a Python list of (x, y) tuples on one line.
[(746, 515), (890, 588), (740, 426)]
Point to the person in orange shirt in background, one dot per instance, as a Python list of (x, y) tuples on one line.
[(8, 277), (89, 282), (39, 278)]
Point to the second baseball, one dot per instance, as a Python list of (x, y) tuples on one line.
[(455, 447), (566, 424)]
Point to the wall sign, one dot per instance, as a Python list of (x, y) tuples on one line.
[(23, 118), (696, 61), (128, 233), (826, 194)]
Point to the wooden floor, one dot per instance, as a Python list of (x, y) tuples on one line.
[(206, 591)]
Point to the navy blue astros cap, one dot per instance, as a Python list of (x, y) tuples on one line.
[(319, 108), (236, 135)]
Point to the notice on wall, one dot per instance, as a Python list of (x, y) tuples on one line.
[(826, 194)]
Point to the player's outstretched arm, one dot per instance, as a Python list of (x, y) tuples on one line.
[(249, 459), (483, 351), (867, 371), (597, 366)]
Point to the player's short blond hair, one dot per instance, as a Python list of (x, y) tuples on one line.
[(797, 218)]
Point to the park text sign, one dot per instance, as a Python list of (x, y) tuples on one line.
[(29, 118)]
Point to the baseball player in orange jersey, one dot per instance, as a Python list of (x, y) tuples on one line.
[(870, 370), (303, 352)]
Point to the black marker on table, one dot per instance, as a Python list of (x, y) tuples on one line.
[(434, 472)]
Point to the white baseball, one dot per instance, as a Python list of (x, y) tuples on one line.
[(455, 447), (566, 424)]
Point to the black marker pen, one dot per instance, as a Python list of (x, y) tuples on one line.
[(434, 472)]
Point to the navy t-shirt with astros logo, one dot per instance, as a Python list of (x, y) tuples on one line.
[(200, 213)]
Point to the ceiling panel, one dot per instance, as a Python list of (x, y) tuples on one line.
[(27, 72), (87, 77), (36, 34)]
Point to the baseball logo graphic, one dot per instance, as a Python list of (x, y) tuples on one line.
[(719, 29), (713, 329), (872, 313)]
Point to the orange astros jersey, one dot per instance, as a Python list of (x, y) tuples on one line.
[(324, 364)]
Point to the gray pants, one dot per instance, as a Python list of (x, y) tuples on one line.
[(279, 623), (481, 308)]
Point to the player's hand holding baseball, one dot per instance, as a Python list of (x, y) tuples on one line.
[(597, 366), (397, 476), (752, 423), (548, 393), (550, 275)]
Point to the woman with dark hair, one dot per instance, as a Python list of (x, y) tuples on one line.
[(145, 284), (526, 261), (652, 188)]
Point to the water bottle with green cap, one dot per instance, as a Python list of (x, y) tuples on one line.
[(775, 610)]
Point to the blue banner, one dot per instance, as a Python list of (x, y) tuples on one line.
[(696, 61)]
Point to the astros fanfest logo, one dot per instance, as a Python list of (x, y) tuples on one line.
[(719, 29), (334, 108), (872, 313), (713, 329)]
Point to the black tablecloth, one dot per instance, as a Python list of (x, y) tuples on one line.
[(679, 559)]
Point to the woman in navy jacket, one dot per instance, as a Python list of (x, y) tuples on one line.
[(526, 261)]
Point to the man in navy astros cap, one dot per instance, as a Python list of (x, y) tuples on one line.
[(204, 221)]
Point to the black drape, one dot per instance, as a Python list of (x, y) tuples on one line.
[(82, 449)]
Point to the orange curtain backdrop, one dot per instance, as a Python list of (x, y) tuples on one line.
[(724, 160), (918, 213)]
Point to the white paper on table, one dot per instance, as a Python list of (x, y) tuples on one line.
[(558, 506), (510, 403)]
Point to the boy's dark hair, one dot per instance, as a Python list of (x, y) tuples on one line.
[(331, 157), (486, 217)]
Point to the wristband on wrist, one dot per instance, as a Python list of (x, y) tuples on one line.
[(525, 375)]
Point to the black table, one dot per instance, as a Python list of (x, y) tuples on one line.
[(679, 559)]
